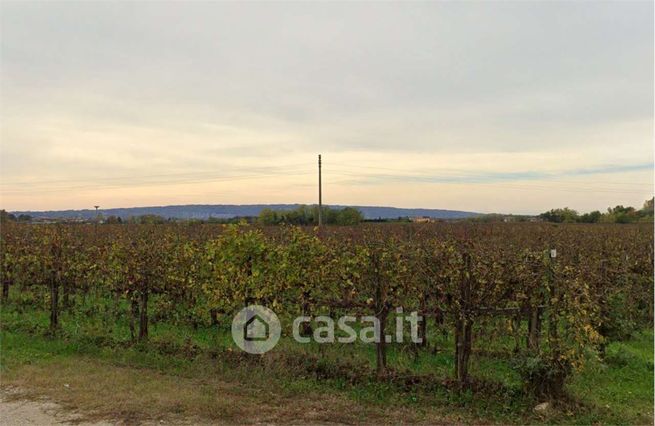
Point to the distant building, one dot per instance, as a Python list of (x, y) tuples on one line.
[(43, 220), (421, 219)]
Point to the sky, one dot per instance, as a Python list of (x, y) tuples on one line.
[(512, 107)]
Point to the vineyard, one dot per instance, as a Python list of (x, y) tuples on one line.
[(542, 299)]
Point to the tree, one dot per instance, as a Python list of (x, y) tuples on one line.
[(6, 217), (148, 219), (349, 216), (620, 214), (592, 217), (564, 215), (268, 217), (113, 220), (308, 215), (646, 212)]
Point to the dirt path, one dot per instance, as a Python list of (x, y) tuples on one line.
[(17, 411), (85, 391)]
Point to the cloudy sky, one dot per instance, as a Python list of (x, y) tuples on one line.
[(490, 107)]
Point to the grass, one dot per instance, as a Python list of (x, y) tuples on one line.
[(132, 385), (622, 387), (198, 375)]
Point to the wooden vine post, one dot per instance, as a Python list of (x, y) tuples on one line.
[(143, 314), (535, 319), (54, 301), (534, 328), (423, 325), (381, 313), (602, 329), (553, 295), (134, 314), (6, 282), (55, 278), (463, 324)]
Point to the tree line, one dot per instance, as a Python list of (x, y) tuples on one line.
[(618, 214), (302, 215), (308, 215)]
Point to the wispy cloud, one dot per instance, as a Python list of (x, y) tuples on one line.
[(462, 176)]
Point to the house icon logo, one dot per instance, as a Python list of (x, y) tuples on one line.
[(256, 329)]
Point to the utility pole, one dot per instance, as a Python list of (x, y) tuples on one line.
[(320, 194), (96, 225)]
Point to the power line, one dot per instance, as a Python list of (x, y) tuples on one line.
[(320, 194)]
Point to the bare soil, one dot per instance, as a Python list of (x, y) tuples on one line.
[(16, 410), (83, 391)]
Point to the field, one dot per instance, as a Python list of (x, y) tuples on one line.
[(136, 319)]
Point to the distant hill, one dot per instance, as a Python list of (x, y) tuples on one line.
[(205, 211)]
